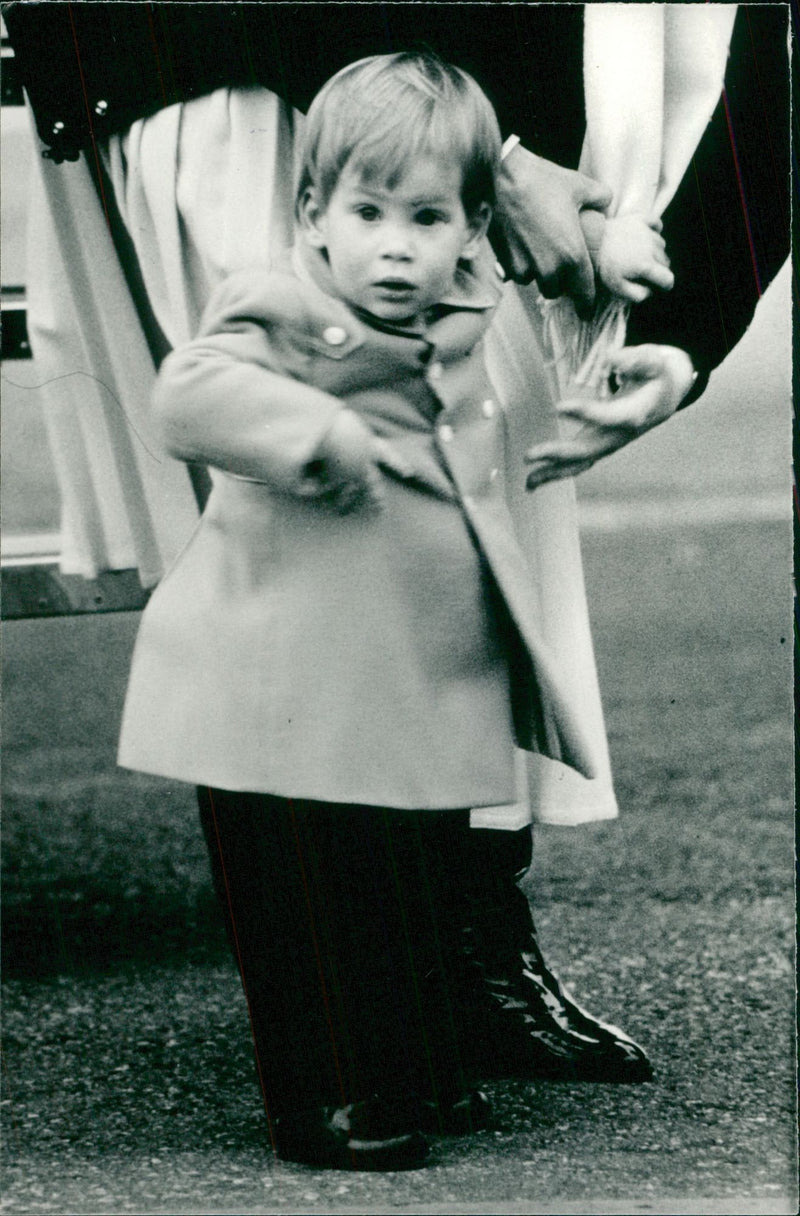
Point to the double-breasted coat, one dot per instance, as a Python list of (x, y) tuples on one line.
[(389, 657)]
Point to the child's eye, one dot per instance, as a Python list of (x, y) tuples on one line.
[(367, 212), (428, 216)]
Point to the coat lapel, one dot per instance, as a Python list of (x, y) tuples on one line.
[(456, 323)]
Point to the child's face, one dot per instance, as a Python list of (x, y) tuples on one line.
[(393, 252)]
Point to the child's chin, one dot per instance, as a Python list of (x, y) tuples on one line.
[(394, 315)]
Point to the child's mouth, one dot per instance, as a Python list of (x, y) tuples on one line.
[(396, 287)]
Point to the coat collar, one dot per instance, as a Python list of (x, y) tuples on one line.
[(476, 287)]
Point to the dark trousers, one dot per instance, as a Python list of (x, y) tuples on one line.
[(346, 923)]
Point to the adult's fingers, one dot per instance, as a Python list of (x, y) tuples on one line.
[(569, 457), (591, 194), (571, 274), (643, 357), (642, 362), (515, 258), (625, 410), (589, 410), (587, 445), (556, 469), (578, 281)]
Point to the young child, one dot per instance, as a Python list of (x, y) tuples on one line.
[(347, 653)]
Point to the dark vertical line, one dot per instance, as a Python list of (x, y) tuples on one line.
[(88, 107), (742, 196)]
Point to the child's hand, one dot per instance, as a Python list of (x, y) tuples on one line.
[(345, 469), (631, 257)]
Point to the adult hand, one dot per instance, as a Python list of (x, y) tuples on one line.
[(653, 380), (536, 232)]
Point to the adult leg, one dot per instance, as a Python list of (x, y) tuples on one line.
[(530, 1026)]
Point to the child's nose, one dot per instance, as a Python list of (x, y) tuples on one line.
[(397, 243)]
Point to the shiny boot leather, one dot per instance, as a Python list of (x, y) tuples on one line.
[(533, 1028), (522, 1022)]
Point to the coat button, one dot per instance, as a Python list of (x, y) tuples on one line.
[(334, 335), (435, 371), (445, 433), (487, 409), (494, 475)]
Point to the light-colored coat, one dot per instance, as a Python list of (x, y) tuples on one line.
[(391, 658)]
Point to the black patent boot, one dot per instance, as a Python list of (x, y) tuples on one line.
[(523, 1023)]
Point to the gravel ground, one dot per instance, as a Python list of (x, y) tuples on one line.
[(128, 1083), (139, 1086)]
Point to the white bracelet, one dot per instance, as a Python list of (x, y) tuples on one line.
[(509, 146)]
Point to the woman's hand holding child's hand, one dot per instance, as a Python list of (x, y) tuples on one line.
[(653, 380), (345, 470), (629, 254), (535, 229)]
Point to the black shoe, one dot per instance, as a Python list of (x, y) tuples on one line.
[(362, 1136), (528, 1025)]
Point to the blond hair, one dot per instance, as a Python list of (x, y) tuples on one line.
[(380, 114)]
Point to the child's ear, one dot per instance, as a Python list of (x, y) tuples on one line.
[(311, 217), (478, 227)]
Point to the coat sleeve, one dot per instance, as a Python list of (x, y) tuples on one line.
[(727, 229), (91, 69), (225, 399)]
